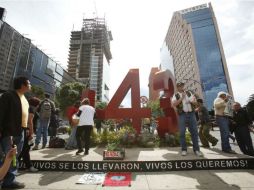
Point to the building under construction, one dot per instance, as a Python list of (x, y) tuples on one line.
[(90, 55)]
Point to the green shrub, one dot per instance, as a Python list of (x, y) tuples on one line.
[(187, 138), (95, 138)]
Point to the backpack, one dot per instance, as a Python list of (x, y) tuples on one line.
[(56, 142), (45, 110)]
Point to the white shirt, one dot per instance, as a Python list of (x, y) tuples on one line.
[(87, 115), (186, 101), (219, 106)]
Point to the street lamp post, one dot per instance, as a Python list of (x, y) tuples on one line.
[(203, 84)]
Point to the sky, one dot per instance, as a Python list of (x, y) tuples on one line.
[(138, 28)]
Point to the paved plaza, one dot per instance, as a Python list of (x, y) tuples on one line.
[(189, 180)]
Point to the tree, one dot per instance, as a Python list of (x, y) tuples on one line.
[(155, 108), (36, 91), (68, 94), (101, 105)]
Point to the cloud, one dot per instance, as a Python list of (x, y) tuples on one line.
[(236, 25)]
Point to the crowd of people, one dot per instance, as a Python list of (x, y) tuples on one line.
[(229, 116), (21, 118)]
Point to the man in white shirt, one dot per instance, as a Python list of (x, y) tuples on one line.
[(220, 104), (85, 125), (185, 101)]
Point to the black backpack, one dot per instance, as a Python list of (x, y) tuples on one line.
[(56, 142)]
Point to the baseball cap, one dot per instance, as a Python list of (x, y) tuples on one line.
[(221, 93)]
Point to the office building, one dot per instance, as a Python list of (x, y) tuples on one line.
[(20, 57), (90, 55), (194, 42)]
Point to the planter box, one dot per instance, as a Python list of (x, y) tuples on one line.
[(113, 154)]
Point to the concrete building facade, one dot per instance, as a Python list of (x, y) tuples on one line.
[(194, 42), (90, 55)]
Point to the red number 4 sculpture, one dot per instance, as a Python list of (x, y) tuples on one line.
[(135, 113)]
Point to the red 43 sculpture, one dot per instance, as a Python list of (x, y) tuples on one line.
[(136, 113)]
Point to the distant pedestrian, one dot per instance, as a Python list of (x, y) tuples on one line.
[(85, 126), (205, 125), (45, 109), (185, 101), (242, 132), (98, 125), (72, 141), (229, 113), (222, 121), (28, 136), (54, 123)]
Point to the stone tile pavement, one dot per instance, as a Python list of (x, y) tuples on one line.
[(173, 180)]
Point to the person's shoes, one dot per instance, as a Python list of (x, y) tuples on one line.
[(16, 173), (215, 142), (43, 146), (86, 152), (230, 151), (36, 147), (78, 152), (205, 146), (198, 153), (14, 185), (251, 153), (184, 153), (32, 169)]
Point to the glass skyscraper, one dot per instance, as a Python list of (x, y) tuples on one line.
[(198, 57), (20, 57)]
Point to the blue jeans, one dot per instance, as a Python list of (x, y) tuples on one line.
[(188, 120), (72, 141), (223, 123), (6, 146), (42, 127)]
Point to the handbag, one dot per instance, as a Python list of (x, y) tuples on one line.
[(75, 120)]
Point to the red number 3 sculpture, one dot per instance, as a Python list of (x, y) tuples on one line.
[(164, 81)]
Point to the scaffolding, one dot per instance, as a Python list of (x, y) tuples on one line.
[(87, 49)]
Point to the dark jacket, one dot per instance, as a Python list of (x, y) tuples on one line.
[(10, 114), (241, 118), (203, 115)]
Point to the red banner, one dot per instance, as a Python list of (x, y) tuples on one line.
[(117, 179)]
